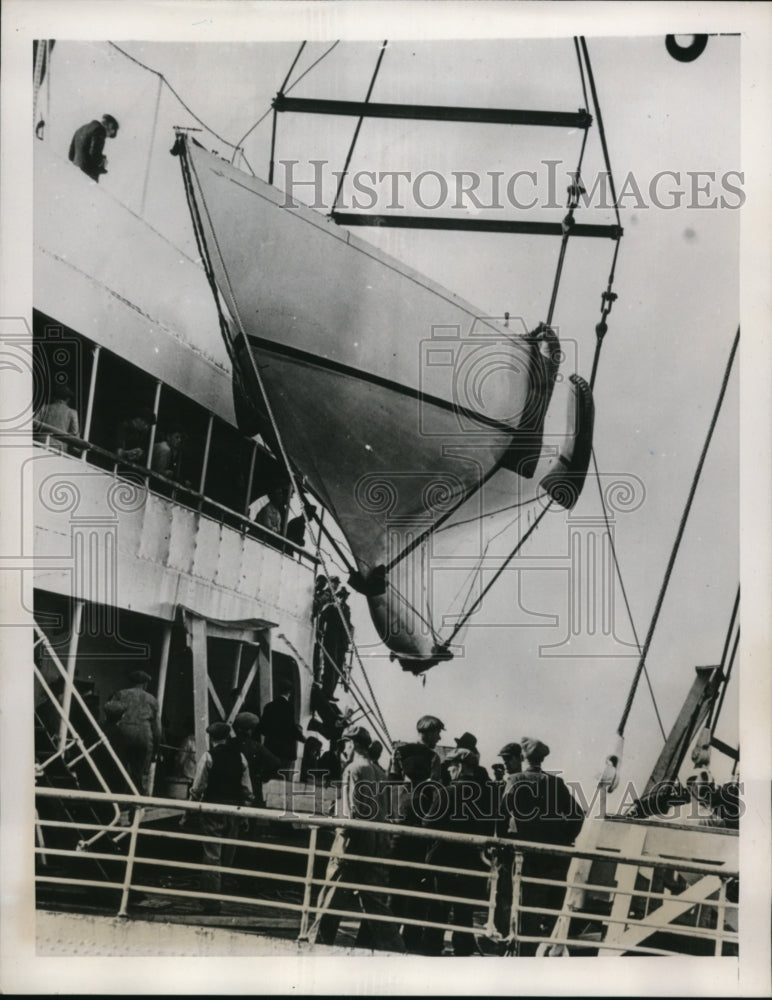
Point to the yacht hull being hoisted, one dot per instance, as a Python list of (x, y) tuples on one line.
[(393, 400)]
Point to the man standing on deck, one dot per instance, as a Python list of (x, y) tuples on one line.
[(429, 729), (139, 726), (544, 812), (262, 763), (88, 143), (222, 775), (280, 730), (506, 826), (359, 800)]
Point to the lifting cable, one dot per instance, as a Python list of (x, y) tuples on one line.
[(344, 172), (679, 536), (608, 297), (187, 167), (575, 191)]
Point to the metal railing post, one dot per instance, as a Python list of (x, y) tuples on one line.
[(139, 812), (163, 671), (86, 429), (305, 915), (250, 478), (496, 865), (153, 427), (720, 918), (69, 680), (514, 916), (205, 463)]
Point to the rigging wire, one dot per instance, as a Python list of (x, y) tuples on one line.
[(679, 536), (477, 571), (581, 72), (726, 670), (162, 77), (491, 513), (725, 685), (262, 118), (601, 128), (459, 625), (275, 112), (408, 604), (618, 570), (344, 172)]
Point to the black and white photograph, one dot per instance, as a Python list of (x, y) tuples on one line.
[(385, 468)]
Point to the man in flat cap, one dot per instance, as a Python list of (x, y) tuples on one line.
[(138, 726), (545, 812), (467, 741), (429, 728), (222, 775), (360, 799)]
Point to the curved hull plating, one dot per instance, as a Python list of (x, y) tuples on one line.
[(394, 400)]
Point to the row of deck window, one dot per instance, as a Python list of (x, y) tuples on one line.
[(200, 453)]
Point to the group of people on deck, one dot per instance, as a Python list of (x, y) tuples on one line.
[(422, 789), (458, 796)]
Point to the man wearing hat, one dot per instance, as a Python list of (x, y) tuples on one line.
[(429, 728), (360, 799), (222, 775), (544, 812), (261, 762), (138, 728), (466, 741)]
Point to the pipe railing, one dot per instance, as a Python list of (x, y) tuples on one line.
[(49, 436), (139, 854)]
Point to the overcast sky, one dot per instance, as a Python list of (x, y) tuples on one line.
[(663, 360)]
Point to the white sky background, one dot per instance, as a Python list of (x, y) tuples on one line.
[(662, 363)]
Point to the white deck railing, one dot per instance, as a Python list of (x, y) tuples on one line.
[(621, 915)]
